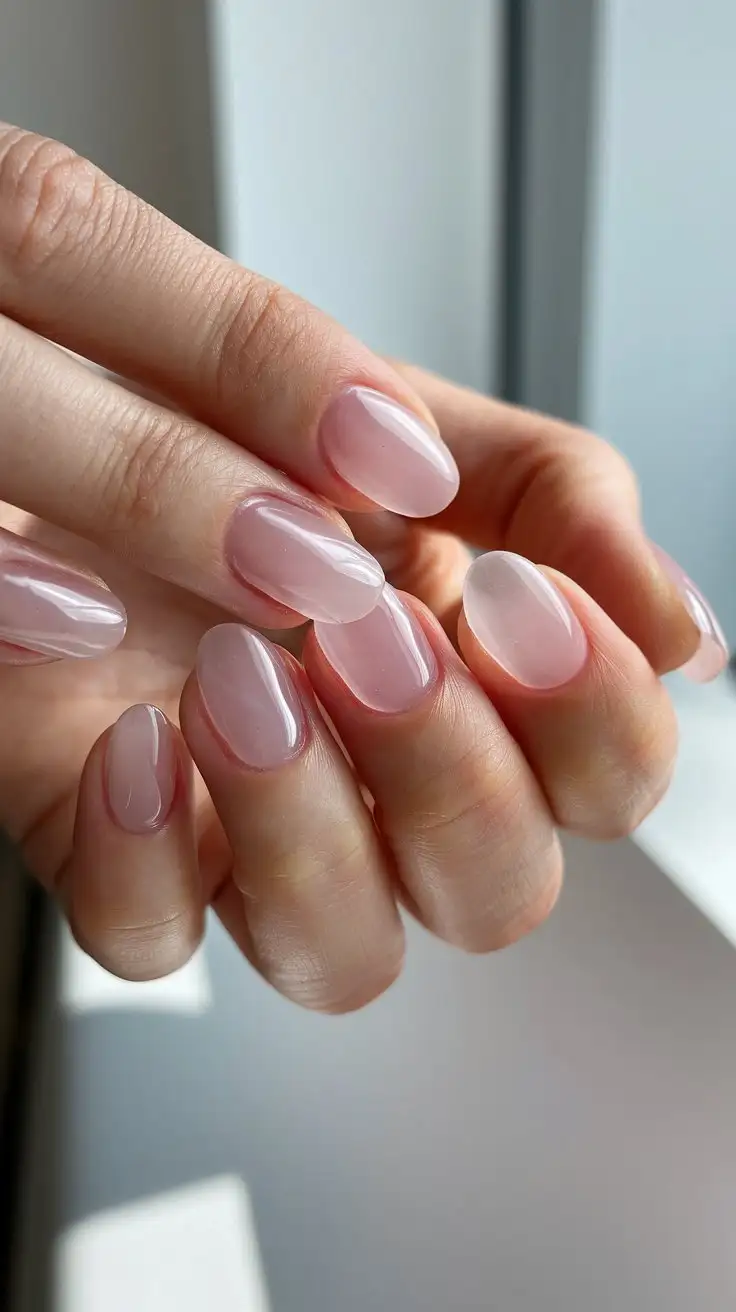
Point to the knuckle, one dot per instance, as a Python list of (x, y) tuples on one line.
[(567, 468), (259, 332), (149, 471), (484, 801), (48, 195)]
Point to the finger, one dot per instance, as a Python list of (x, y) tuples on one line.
[(560, 496), (51, 610), (321, 918), (469, 830), (85, 262), (132, 889), (579, 697), (430, 565), (168, 495)]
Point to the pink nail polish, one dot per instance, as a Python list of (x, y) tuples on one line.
[(385, 451), (712, 654), (302, 559), (522, 620), (52, 612), (140, 769), (385, 658), (250, 696)]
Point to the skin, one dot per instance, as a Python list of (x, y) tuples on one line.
[(306, 864)]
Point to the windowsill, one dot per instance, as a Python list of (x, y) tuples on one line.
[(692, 834)]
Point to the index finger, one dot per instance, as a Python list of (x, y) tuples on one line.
[(87, 263)]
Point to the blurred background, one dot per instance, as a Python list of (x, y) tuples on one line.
[(536, 198)]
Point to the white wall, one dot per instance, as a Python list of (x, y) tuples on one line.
[(122, 84), (359, 144), (661, 322)]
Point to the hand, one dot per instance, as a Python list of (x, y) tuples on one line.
[(468, 790)]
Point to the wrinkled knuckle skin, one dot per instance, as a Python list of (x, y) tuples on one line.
[(141, 485), (48, 195), (264, 331)]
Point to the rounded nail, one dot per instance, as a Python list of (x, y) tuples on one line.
[(712, 654), (140, 769), (385, 658), (250, 696), (53, 612), (301, 559), (522, 621), (386, 452)]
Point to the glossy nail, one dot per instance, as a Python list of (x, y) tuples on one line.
[(53, 612), (386, 452), (302, 559), (385, 659), (712, 654), (140, 769), (522, 620), (250, 696)]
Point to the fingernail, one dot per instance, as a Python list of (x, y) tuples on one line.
[(712, 654), (522, 620), (53, 612), (301, 559), (250, 696), (385, 658), (385, 451), (140, 769)]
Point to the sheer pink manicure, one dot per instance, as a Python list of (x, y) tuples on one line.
[(140, 769), (302, 559), (522, 620), (712, 654), (385, 451), (250, 696), (49, 611), (385, 659)]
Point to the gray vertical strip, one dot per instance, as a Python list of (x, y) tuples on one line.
[(551, 68), (514, 93)]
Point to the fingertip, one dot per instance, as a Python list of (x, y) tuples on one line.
[(134, 815), (522, 623), (52, 609), (708, 658)]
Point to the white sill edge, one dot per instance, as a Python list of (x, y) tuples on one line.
[(692, 834)]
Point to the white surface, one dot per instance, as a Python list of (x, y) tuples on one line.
[(196, 1246), (86, 987), (692, 834), (359, 144), (661, 322), (550, 1128)]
